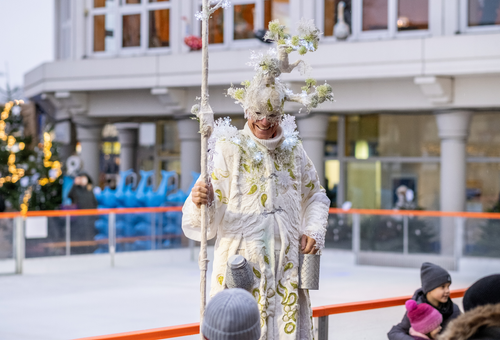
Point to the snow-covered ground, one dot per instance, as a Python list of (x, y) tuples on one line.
[(80, 296)]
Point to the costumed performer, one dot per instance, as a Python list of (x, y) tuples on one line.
[(265, 200)]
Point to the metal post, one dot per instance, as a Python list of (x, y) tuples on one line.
[(153, 231), (341, 157), (459, 240), (191, 249), (405, 234), (323, 328), (160, 223), (112, 237), (19, 243), (356, 235), (68, 235)]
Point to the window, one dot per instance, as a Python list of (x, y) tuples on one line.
[(130, 26), (378, 19), (331, 15), (483, 12), (131, 30), (159, 28), (413, 15), (374, 15), (104, 40), (238, 23), (216, 27), (244, 21), (277, 9)]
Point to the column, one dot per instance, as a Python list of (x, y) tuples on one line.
[(313, 130), (190, 149), (453, 129), (88, 133), (127, 136)]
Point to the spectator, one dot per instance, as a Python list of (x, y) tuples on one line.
[(425, 320), (82, 227), (435, 291), (81, 193), (232, 314), (481, 320)]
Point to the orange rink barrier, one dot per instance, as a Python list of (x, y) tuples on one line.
[(194, 328), (338, 211)]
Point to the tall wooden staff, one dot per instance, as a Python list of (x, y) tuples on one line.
[(206, 118)]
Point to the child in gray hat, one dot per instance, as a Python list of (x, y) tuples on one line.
[(435, 291), (232, 315)]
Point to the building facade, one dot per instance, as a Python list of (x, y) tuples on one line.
[(416, 82)]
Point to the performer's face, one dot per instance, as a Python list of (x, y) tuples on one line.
[(262, 128)]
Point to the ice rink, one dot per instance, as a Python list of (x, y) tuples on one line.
[(80, 296)]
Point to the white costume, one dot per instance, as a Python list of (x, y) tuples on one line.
[(267, 195)]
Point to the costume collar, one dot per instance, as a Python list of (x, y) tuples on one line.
[(271, 143)]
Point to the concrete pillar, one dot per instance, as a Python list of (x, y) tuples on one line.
[(453, 129), (88, 133), (313, 133), (190, 149), (127, 136)]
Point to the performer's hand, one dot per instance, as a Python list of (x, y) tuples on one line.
[(202, 193), (307, 245)]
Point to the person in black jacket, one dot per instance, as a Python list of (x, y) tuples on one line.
[(435, 291), (481, 320), (83, 227)]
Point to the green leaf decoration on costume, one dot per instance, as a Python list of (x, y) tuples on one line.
[(266, 259), (287, 250), (223, 173), (291, 174), (289, 265), (294, 285), (276, 166), (263, 200), (220, 279), (256, 294), (283, 295), (292, 299), (310, 185), (214, 177), (289, 328), (257, 273), (295, 186), (247, 168), (253, 189), (221, 198)]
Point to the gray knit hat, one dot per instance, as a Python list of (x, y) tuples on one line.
[(433, 276), (232, 314)]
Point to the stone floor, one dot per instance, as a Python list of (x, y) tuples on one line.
[(80, 296)]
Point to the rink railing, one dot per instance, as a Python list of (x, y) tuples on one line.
[(322, 313), (111, 240)]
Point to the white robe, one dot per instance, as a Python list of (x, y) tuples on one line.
[(260, 189)]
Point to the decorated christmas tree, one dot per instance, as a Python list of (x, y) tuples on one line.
[(30, 173)]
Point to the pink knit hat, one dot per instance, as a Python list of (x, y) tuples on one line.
[(423, 317)]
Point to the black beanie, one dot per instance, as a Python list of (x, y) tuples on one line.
[(433, 276), (483, 292)]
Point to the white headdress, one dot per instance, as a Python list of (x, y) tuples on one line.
[(265, 95)]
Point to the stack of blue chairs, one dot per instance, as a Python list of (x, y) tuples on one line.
[(129, 194)]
